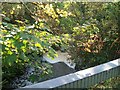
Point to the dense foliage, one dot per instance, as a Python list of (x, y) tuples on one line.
[(23, 45), (110, 83), (89, 32)]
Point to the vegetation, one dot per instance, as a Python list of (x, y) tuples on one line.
[(89, 32), (112, 83)]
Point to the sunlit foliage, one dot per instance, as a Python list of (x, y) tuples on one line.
[(89, 32)]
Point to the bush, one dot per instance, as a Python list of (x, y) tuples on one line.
[(22, 47)]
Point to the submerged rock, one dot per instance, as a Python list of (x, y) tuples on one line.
[(23, 80)]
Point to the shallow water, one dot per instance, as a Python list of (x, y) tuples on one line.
[(61, 66)]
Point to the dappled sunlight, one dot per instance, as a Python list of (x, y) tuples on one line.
[(69, 42)]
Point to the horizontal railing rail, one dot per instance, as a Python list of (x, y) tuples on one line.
[(84, 78)]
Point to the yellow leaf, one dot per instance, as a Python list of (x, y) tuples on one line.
[(12, 12), (22, 28), (9, 52), (42, 25), (87, 49), (4, 31), (13, 46), (25, 41), (56, 55), (38, 45), (16, 61), (23, 48)]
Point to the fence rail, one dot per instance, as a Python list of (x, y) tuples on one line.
[(84, 78)]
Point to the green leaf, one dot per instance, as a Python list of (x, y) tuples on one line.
[(7, 19), (10, 59), (33, 78)]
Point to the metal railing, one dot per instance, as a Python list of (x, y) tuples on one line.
[(84, 78)]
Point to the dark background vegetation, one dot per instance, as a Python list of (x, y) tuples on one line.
[(89, 32)]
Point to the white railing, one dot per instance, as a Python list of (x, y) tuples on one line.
[(84, 78)]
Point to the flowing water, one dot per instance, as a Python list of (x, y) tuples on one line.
[(61, 66), (62, 57)]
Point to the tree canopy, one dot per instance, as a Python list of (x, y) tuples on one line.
[(89, 32)]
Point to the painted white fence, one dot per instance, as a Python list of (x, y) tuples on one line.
[(84, 78)]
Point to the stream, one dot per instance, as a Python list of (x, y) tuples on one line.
[(61, 66)]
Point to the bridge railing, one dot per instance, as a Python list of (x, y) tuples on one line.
[(84, 78)]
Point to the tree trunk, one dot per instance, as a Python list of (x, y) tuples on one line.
[(0, 12), (0, 49)]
